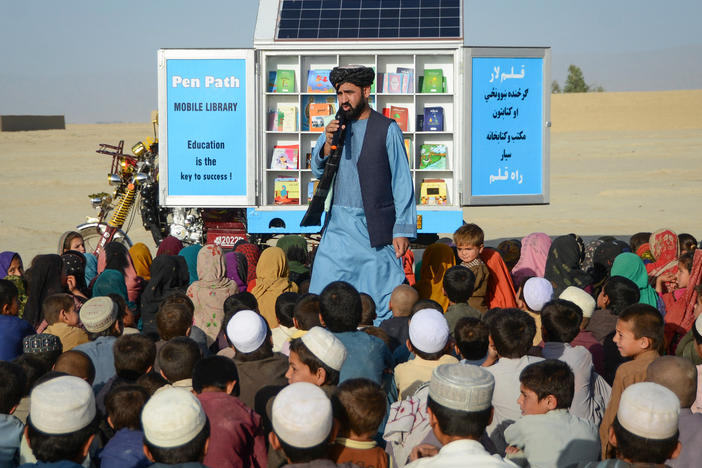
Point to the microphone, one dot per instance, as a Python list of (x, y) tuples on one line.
[(341, 118)]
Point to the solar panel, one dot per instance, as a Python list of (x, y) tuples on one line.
[(369, 19)]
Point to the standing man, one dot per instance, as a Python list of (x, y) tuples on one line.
[(373, 213)]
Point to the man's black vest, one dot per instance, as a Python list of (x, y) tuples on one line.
[(376, 181)]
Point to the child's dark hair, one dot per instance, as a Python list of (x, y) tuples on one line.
[(284, 308), (686, 260), (123, 405), (68, 239), (173, 319), (177, 358), (359, 405), (12, 385), (240, 301), (134, 355), (116, 256), (33, 368), (76, 363), (469, 234), (54, 304), (426, 304), (178, 297), (512, 331), (151, 382), (340, 306), (561, 320), (8, 292), (638, 239), (646, 322), (637, 449), (306, 311), (459, 283), (53, 448), (453, 422), (368, 314), (313, 362), (687, 242), (550, 377), (472, 338), (192, 451), (304, 455), (214, 371), (621, 292)]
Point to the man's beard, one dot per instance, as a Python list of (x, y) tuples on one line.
[(355, 112)]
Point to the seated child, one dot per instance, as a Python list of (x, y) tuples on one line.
[(511, 334), (428, 340), (680, 377), (645, 430), (689, 347), (44, 346), (12, 328), (60, 313), (62, 422), (125, 449), (617, 294), (402, 299), (585, 338), (306, 314), (152, 382), (639, 335), (175, 318), (260, 369), (469, 240), (676, 314), (359, 406), (547, 434), (77, 364), (236, 435), (33, 368), (284, 311), (687, 242), (458, 288), (368, 314), (177, 360), (176, 429), (531, 299), (316, 358), (12, 384), (472, 340)]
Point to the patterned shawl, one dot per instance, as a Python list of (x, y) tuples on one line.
[(680, 314), (252, 254), (665, 249), (563, 264)]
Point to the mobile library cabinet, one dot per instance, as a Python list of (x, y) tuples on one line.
[(238, 125)]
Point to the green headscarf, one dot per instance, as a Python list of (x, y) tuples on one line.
[(288, 242), (630, 265)]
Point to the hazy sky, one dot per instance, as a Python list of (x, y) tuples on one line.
[(95, 61)]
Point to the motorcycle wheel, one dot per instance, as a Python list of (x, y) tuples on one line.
[(92, 234)]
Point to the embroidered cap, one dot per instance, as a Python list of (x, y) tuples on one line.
[(247, 331), (325, 346), (580, 298), (172, 417), (428, 330), (649, 410), (302, 415), (98, 314), (537, 292), (462, 387), (41, 343), (62, 405)]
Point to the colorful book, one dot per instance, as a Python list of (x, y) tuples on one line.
[(433, 81), (433, 192), (287, 190), (432, 157), (408, 149), (318, 81), (400, 115), (320, 116), (287, 118), (270, 87), (311, 187), (285, 157), (433, 119), (285, 81), (307, 102), (392, 83), (407, 79)]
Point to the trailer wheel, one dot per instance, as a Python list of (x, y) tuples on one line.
[(93, 232)]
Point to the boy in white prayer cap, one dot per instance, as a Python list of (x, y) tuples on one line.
[(428, 340), (459, 408), (645, 430), (62, 422), (316, 358), (176, 429), (303, 426), (531, 298)]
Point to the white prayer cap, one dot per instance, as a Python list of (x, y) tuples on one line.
[(537, 292), (302, 415), (62, 405), (247, 331), (428, 330), (698, 324), (325, 346), (98, 314), (580, 298), (172, 417), (649, 410), (463, 387)]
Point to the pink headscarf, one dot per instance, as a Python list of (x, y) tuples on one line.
[(532, 261)]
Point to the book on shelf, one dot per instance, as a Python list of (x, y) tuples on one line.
[(407, 79), (400, 115), (420, 123), (287, 190), (318, 81), (270, 86), (285, 81), (432, 156), (285, 157), (433, 119), (408, 149), (287, 118), (308, 156), (433, 192), (320, 115), (392, 83), (311, 187), (307, 102), (433, 81)]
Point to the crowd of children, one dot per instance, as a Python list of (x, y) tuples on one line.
[(540, 353)]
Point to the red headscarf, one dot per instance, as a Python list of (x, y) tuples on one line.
[(500, 291), (679, 315), (664, 248), (408, 265)]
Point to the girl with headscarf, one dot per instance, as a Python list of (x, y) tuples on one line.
[(169, 274), (141, 257), (630, 265), (235, 263), (115, 256), (500, 289), (189, 253), (252, 254), (271, 281), (436, 260), (564, 262), (532, 259), (44, 278), (169, 246), (210, 291), (11, 264), (665, 250), (295, 248), (74, 270), (71, 240), (110, 282)]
